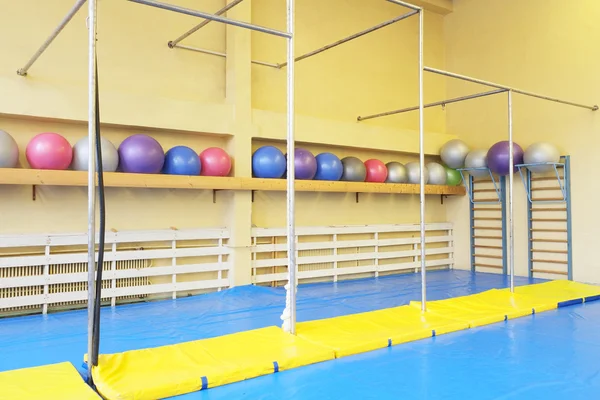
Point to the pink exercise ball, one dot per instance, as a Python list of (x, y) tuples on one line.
[(49, 151), (215, 162), (376, 170)]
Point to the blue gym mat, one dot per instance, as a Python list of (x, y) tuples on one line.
[(37, 340)]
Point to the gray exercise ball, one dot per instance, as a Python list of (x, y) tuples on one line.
[(110, 155), (541, 152), (477, 159), (9, 151), (354, 170), (396, 173), (454, 152), (414, 173), (437, 173)]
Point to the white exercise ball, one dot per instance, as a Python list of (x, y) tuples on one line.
[(541, 152), (477, 159), (414, 173), (396, 173), (454, 152), (110, 155), (437, 173), (9, 151)]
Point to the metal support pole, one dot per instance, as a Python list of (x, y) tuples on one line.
[(212, 17), (53, 35), (351, 37), (219, 54), (91, 177), (567, 180), (511, 221), (291, 176), (498, 86), (422, 168), (222, 11), (407, 5), (437, 103)]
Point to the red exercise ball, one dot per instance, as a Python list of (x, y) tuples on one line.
[(376, 171), (49, 151), (215, 162)]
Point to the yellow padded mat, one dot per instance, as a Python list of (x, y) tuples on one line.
[(358, 333), (487, 307), (560, 291), (187, 367), (49, 382)]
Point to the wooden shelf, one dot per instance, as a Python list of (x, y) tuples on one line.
[(16, 176)]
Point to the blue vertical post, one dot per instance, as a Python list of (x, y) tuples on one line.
[(504, 233), (472, 222), (567, 182), (529, 226)]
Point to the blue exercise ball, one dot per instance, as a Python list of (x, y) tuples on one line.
[(268, 162), (329, 167), (181, 160)]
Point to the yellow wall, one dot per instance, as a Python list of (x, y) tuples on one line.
[(182, 97), (545, 46)]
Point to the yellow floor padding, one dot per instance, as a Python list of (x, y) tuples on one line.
[(487, 307), (49, 382), (560, 291), (187, 367), (359, 333)]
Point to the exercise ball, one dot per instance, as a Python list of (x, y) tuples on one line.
[(215, 162), (9, 151), (110, 156), (396, 172), (453, 177), (141, 154), (541, 152), (453, 153), (414, 173), (268, 162), (49, 151), (329, 167), (354, 169), (477, 159), (181, 160), (376, 171), (437, 173), (305, 164), (498, 157)]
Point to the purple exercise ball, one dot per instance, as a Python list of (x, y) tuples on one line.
[(141, 154), (305, 164), (498, 157)]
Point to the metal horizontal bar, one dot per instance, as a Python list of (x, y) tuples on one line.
[(405, 4), (351, 37), (222, 11), (515, 90), (53, 35), (219, 54), (212, 17), (437, 103)]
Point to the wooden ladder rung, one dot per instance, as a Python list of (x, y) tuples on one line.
[(487, 256), (549, 261), (484, 190), (479, 246), (546, 178), (549, 230), (547, 271), (550, 240), (547, 209), (548, 220), (487, 219), (486, 237), (549, 199), (542, 189), (487, 209), (487, 200), (488, 266), (487, 228), (550, 251)]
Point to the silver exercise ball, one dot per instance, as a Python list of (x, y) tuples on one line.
[(414, 173), (454, 152), (477, 159), (354, 170), (9, 151), (437, 173), (541, 152), (110, 156), (396, 173)]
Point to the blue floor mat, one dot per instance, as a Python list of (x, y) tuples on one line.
[(38, 339)]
